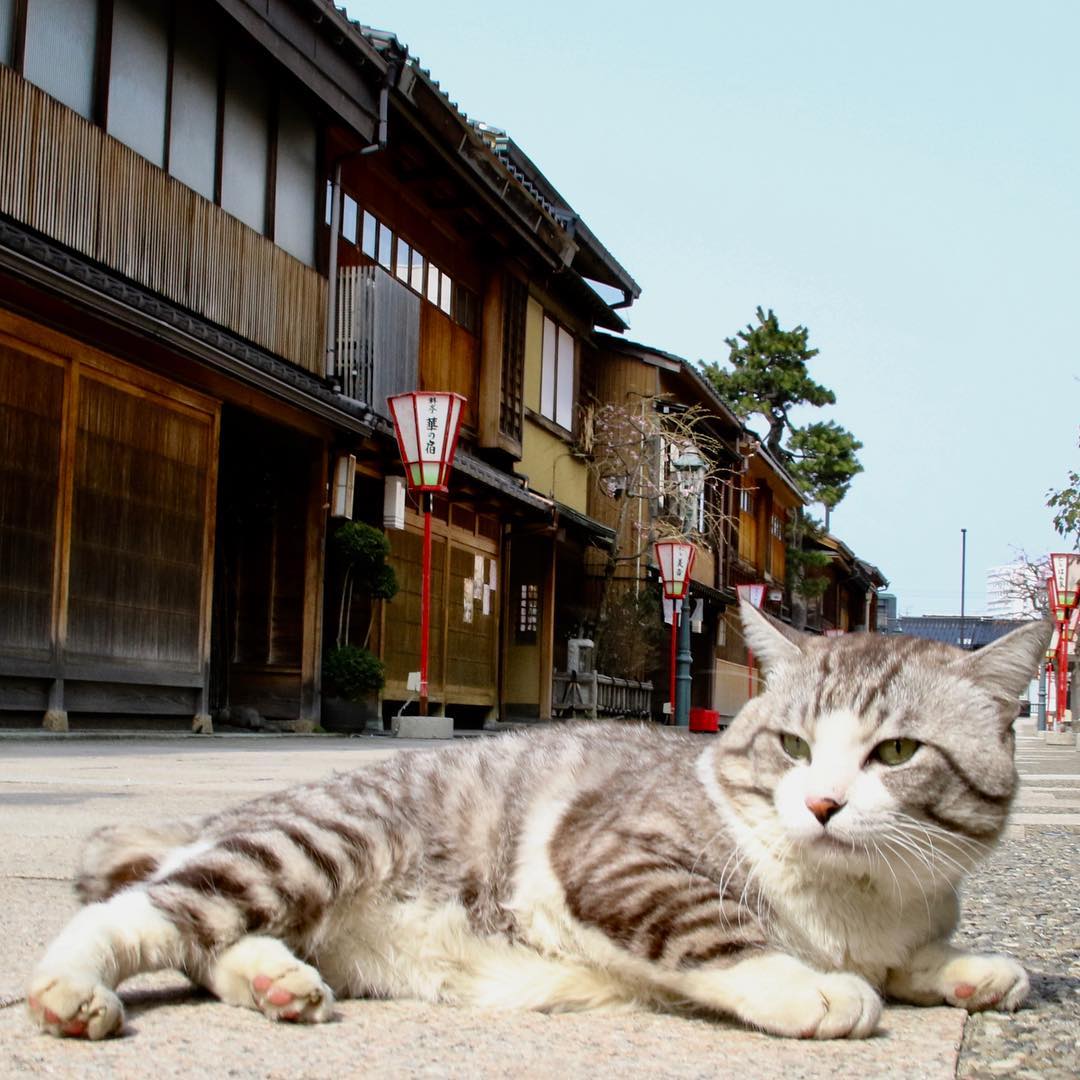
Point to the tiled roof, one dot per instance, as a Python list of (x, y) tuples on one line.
[(978, 630)]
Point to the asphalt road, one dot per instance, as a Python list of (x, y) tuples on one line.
[(55, 789)]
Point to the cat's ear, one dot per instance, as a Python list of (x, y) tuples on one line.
[(1010, 663), (771, 640)]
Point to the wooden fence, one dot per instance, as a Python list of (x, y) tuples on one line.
[(589, 694)]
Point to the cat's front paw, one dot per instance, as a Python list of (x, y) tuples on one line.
[(76, 1005), (815, 1006), (976, 982), (297, 994)]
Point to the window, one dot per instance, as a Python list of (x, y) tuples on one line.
[(60, 53), (295, 187), (776, 526), (7, 31), (401, 262), (368, 243), (557, 374), (245, 143), (433, 274), (348, 218), (528, 620), (138, 76), (193, 114), (746, 500), (446, 292), (416, 277), (384, 251)]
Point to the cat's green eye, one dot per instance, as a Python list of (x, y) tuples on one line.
[(895, 751), (795, 747)]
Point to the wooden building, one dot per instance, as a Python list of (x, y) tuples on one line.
[(228, 229)]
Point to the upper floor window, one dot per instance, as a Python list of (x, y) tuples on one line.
[(776, 526), (557, 374), (746, 500), (411, 267)]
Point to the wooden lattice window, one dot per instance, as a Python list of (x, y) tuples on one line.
[(515, 305)]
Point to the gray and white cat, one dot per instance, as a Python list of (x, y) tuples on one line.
[(788, 873)]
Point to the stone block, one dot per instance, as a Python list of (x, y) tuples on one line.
[(423, 727), (1061, 738)]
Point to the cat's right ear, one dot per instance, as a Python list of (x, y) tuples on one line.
[(771, 640)]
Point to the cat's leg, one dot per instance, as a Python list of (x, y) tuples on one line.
[(72, 990), (783, 996), (261, 973), (939, 973)]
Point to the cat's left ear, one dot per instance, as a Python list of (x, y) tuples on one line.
[(1010, 663), (771, 640)]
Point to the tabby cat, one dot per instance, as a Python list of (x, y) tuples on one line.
[(788, 873)]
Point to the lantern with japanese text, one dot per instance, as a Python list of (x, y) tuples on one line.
[(426, 424), (674, 560)]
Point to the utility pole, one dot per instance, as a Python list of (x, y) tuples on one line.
[(963, 580)]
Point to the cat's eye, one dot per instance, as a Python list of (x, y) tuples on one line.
[(795, 747), (894, 751)]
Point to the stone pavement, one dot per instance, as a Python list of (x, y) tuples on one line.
[(1025, 901), (52, 791)]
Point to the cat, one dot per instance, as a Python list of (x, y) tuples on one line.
[(788, 873)]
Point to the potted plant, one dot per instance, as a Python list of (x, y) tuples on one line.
[(353, 675)]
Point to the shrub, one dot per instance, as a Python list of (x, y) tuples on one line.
[(354, 672)]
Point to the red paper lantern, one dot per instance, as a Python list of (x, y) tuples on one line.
[(675, 558), (426, 424)]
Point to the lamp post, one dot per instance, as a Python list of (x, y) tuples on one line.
[(690, 468), (426, 424), (675, 560), (754, 593), (1062, 587)]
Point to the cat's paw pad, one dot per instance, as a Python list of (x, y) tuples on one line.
[(985, 982), (78, 1006), (297, 994), (818, 1006)]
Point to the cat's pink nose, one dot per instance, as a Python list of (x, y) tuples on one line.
[(823, 809)]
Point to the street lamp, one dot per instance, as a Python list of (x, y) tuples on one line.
[(675, 560), (426, 424), (1062, 587), (753, 594), (690, 467)]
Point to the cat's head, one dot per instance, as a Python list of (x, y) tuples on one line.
[(867, 746)]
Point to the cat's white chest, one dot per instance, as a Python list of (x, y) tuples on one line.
[(851, 925)]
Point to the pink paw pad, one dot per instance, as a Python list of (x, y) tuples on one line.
[(262, 983), (964, 990)]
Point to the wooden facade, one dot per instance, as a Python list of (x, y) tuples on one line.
[(108, 509)]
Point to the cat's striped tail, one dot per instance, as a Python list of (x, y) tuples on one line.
[(120, 855)]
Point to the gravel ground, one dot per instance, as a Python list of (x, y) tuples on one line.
[(1025, 901)]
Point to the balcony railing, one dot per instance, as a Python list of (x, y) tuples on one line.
[(67, 179), (591, 695), (377, 336)]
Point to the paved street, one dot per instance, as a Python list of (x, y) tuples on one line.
[(54, 791)]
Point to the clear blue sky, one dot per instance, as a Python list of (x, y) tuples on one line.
[(902, 178)]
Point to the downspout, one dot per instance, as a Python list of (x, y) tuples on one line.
[(331, 290), (335, 217)]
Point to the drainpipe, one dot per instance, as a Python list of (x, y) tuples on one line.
[(331, 289), (335, 217)]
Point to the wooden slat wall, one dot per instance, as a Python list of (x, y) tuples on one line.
[(66, 178), (449, 358), (141, 469), (31, 408)]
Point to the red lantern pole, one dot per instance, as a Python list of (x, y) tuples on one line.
[(425, 605), (426, 424)]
